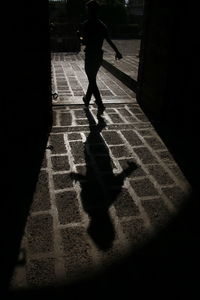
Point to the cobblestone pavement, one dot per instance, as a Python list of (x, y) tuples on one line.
[(106, 185), (70, 82)]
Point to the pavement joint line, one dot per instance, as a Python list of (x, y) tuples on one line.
[(57, 239), (60, 191)]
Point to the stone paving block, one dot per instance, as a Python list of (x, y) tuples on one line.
[(165, 156), (175, 195), (143, 187), (82, 170), (62, 181), (61, 108), (79, 93), (41, 272), (132, 137), (131, 119), (116, 118), (140, 125), (75, 85), (60, 163), (114, 127), (135, 231), (106, 93), (115, 105), (40, 234), (120, 151), (124, 112), (74, 136), (145, 132), (145, 155), (155, 143), (157, 212), (78, 259), (75, 67), (69, 129), (57, 142), (79, 113), (137, 172), (112, 138), (65, 119), (115, 88), (177, 172), (81, 122), (161, 176), (135, 110), (41, 199), (125, 205), (142, 118), (78, 151), (68, 209)]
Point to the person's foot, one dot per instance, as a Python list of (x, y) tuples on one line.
[(86, 101), (100, 110)]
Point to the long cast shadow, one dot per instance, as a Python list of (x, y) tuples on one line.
[(99, 186)]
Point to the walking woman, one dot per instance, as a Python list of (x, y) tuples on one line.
[(92, 34)]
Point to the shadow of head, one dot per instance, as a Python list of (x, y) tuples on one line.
[(101, 229)]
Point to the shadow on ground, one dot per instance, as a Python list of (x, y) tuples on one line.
[(99, 186)]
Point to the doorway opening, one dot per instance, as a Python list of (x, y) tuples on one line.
[(124, 22)]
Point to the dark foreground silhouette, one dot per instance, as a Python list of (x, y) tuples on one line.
[(20, 177)]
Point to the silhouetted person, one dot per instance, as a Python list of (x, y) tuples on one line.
[(92, 33)]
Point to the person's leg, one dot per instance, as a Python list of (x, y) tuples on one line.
[(89, 91), (92, 65), (95, 90), (88, 71)]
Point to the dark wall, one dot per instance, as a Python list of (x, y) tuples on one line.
[(25, 118), (26, 63), (168, 77)]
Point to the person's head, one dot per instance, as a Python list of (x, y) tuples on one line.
[(93, 8)]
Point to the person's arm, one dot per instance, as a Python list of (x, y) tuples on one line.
[(118, 55)]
